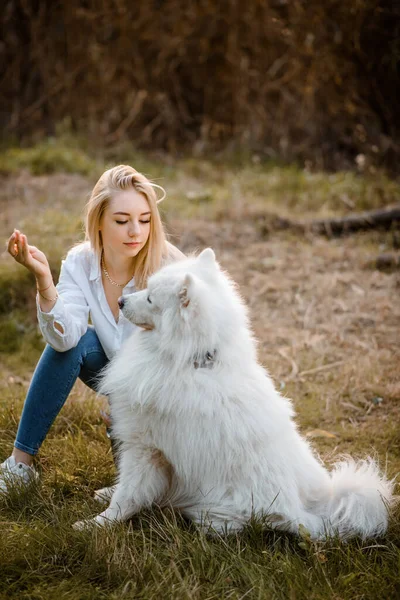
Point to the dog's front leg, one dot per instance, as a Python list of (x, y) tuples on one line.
[(142, 481), (122, 506)]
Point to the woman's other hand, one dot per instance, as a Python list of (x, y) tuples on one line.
[(28, 256)]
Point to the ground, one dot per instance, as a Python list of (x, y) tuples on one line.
[(327, 323)]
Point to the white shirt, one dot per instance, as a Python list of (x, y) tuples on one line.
[(80, 294)]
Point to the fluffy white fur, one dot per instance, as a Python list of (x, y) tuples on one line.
[(218, 442)]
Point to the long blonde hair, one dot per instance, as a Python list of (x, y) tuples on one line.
[(119, 178)]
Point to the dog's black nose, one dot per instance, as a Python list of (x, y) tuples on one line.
[(121, 302)]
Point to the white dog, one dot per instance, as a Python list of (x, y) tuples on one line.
[(204, 430)]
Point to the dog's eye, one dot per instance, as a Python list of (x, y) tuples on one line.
[(148, 300)]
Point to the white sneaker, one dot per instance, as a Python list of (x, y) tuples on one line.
[(13, 472)]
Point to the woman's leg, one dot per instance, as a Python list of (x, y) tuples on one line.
[(52, 381)]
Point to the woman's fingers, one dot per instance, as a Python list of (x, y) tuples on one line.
[(13, 245), (19, 246), (25, 248), (20, 250)]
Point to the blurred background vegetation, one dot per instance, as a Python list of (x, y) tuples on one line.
[(293, 80)]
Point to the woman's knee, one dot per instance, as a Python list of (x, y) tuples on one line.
[(89, 339), (89, 342)]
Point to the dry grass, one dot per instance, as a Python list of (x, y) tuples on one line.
[(328, 330)]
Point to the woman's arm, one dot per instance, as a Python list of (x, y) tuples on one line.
[(47, 296), (62, 320), (36, 262)]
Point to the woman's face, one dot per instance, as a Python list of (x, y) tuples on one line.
[(125, 224)]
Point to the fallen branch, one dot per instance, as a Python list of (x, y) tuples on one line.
[(387, 262), (373, 219), (382, 218)]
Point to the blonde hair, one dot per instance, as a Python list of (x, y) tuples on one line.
[(119, 178)]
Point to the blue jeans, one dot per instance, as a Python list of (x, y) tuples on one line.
[(52, 381)]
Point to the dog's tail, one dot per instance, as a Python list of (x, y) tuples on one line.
[(359, 500)]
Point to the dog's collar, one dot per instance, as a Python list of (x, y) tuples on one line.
[(206, 361)]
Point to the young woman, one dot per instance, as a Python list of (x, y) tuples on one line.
[(125, 244)]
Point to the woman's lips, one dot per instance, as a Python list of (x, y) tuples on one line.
[(132, 244)]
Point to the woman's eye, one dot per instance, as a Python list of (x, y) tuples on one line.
[(148, 300), (123, 222)]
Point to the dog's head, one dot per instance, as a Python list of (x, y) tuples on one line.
[(191, 301)]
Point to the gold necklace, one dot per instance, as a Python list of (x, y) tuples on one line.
[(103, 266)]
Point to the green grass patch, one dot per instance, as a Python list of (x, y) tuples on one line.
[(210, 187), (47, 157)]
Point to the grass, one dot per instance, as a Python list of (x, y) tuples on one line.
[(157, 553), (45, 158), (328, 331)]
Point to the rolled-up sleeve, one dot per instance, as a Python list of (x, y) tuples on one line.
[(71, 312)]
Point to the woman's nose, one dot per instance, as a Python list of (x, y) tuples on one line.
[(134, 229)]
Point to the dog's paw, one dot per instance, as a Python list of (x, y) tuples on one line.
[(87, 524), (104, 494), (101, 520), (80, 525)]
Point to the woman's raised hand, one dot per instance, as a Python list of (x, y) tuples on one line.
[(28, 256)]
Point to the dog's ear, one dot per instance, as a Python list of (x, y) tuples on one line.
[(186, 290), (207, 257)]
